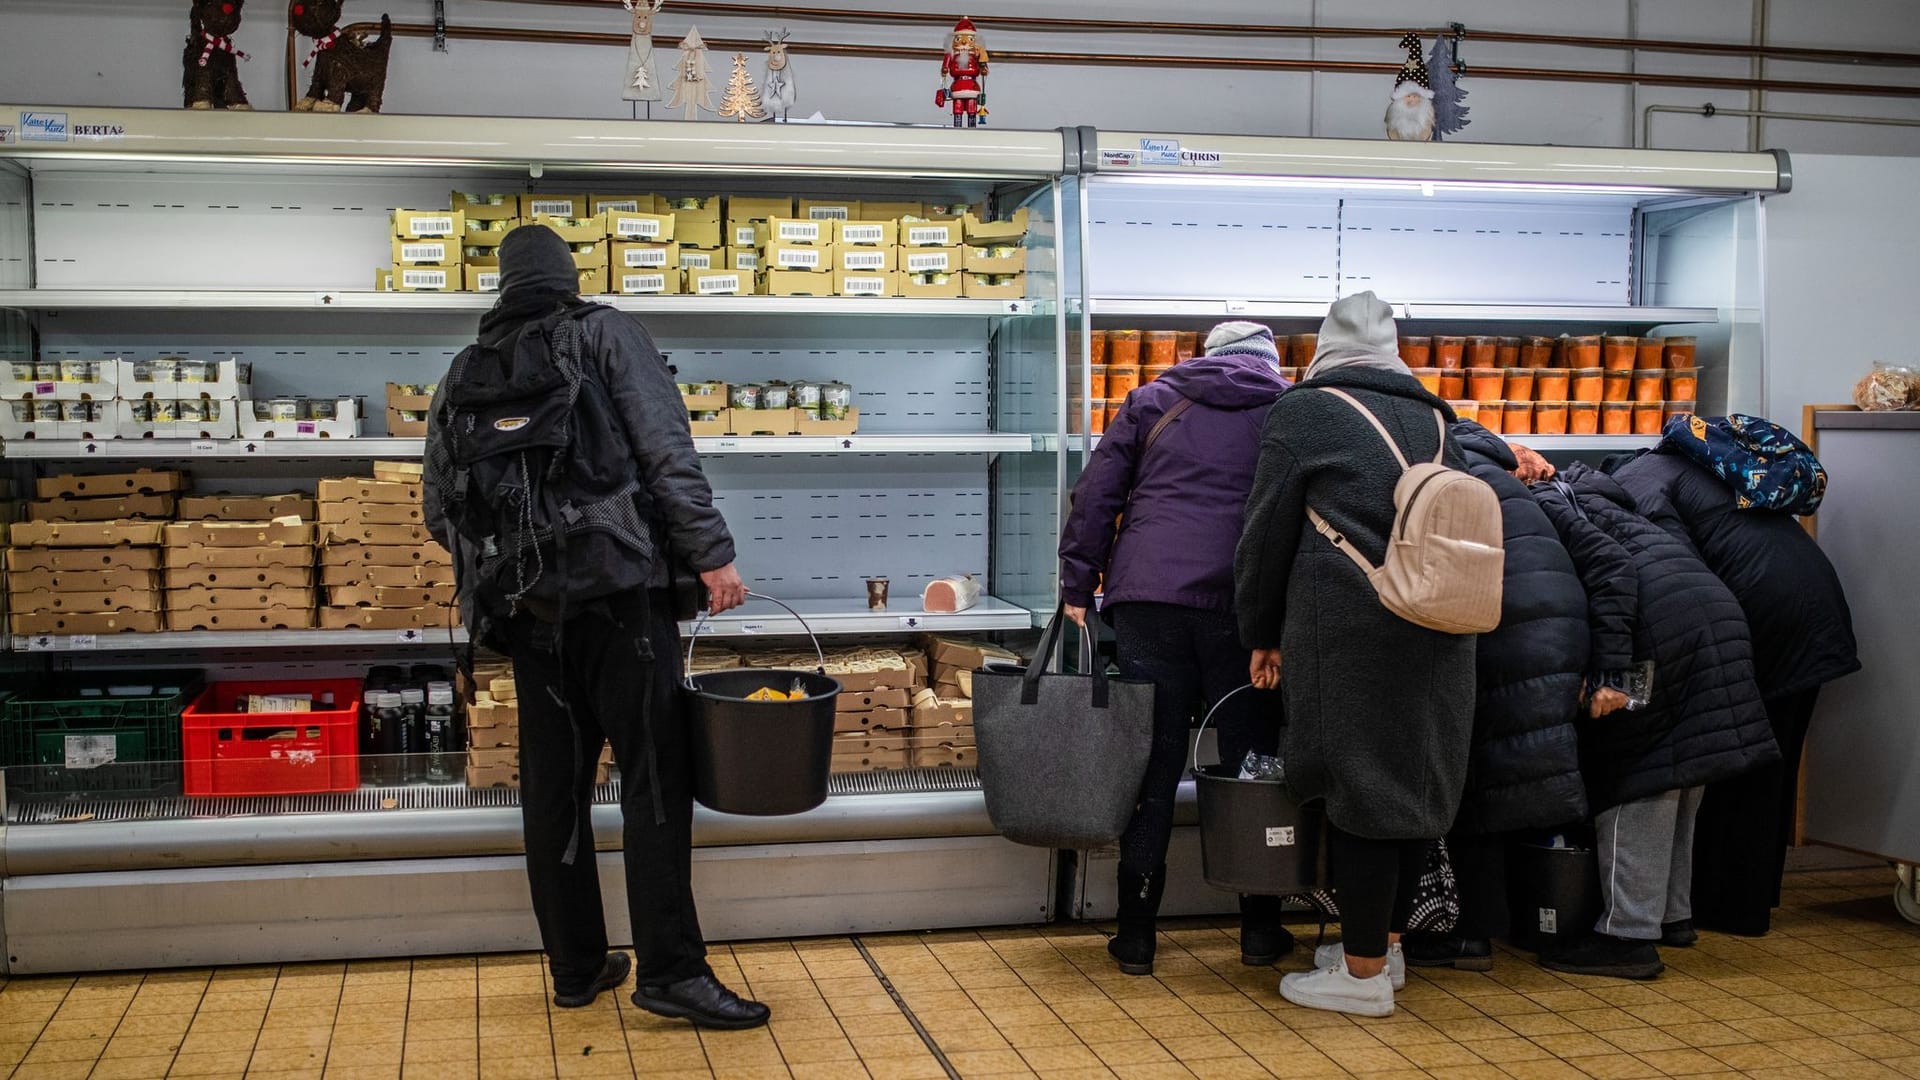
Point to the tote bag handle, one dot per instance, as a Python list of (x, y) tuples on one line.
[(1043, 659)]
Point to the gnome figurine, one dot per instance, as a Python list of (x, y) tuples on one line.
[(1410, 112)]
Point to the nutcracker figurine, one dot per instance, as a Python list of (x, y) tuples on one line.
[(965, 68)]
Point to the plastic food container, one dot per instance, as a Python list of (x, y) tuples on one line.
[(1161, 348), (1097, 382), (1679, 352), (1483, 351), (1582, 351), (1616, 418), (1450, 352), (1583, 418), (1517, 418), (1508, 355), (1188, 346), (1123, 346), (1677, 408), (1097, 346), (1416, 351), (1301, 348), (1683, 383), (1620, 353), (1536, 351), (1486, 384), (1122, 379), (1429, 379), (1552, 384), (1648, 417), (1584, 384), (1519, 384), (1492, 415), (1453, 384), (1649, 385), (1648, 354), (1618, 386), (1112, 410), (1150, 372), (1550, 417), (1291, 374), (1465, 410)]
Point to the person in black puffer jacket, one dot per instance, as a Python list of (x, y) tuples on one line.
[(1645, 769), (1524, 772), (1802, 637)]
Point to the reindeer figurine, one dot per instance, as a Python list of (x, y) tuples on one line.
[(777, 92), (212, 61), (343, 64), (643, 72)]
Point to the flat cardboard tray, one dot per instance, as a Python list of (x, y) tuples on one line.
[(138, 482), (117, 622), (376, 576), (372, 514), (361, 490), (209, 599), (100, 534), (239, 534), (342, 555), (111, 508), (201, 557), (274, 618), (246, 577), (25, 583), (860, 723), (82, 560), (445, 618), (334, 533), (244, 507), (85, 601)]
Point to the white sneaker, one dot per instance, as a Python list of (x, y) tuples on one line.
[(1333, 989), (1327, 956)]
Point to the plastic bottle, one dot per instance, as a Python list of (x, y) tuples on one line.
[(413, 735), (379, 680), (390, 717), (440, 752)]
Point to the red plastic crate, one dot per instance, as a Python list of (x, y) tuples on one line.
[(230, 753)]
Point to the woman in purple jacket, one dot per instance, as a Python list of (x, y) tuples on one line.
[(1178, 463)]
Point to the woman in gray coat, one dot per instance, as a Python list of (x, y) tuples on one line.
[(1379, 710)]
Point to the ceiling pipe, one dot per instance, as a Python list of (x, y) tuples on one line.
[(1115, 26), (1711, 110)]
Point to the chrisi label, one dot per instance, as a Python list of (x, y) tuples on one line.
[(863, 260), (423, 253), (643, 283), (432, 226), (929, 235), (800, 231), (424, 279), (929, 262), (864, 286), (554, 207), (797, 258), (643, 227), (646, 257), (863, 234), (696, 260), (1201, 159), (720, 283), (829, 213)]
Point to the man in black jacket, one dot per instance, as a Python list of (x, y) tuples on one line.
[(608, 671)]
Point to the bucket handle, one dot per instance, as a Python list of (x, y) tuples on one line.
[(694, 638), (1202, 730)]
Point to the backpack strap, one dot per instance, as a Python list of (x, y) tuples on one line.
[(1166, 418), (1325, 528)]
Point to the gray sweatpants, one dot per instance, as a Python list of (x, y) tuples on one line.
[(1646, 864)]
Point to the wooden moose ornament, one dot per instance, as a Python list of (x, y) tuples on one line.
[(349, 72), (211, 60)]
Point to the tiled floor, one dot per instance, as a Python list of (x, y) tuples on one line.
[(1834, 992)]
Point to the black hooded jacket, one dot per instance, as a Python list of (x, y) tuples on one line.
[(1525, 768)]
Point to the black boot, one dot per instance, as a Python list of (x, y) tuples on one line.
[(1448, 950), (1263, 941), (1604, 954), (1133, 943)]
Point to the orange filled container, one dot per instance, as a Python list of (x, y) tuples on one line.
[(1486, 384), (1647, 355), (1650, 385), (1123, 346), (1508, 355), (1648, 416), (1677, 408), (1189, 346), (1583, 418), (1619, 353), (1097, 383), (1517, 418), (1465, 410), (1150, 372), (1552, 384), (1679, 352), (1429, 378), (1301, 348), (1122, 379), (1618, 386), (1519, 383), (1683, 383), (1585, 384), (1550, 418), (1581, 351), (1097, 346), (1492, 415), (1416, 351), (1291, 374), (1483, 351), (1113, 407), (1077, 418), (1453, 384), (1536, 351), (1450, 352), (1160, 348), (1616, 418)]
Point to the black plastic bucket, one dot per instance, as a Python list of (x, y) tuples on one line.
[(1553, 894), (760, 758), (1254, 838)]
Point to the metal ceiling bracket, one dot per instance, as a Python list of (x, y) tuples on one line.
[(440, 26)]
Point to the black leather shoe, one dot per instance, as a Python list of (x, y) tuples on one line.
[(703, 1000), (1448, 950), (1263, 941), (612, 973), (1679, 935), (1602, 954)]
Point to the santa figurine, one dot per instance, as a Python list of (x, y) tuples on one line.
[(1410, 112), (965, 70)]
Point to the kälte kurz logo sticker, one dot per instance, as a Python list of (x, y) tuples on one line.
[(44, 127)]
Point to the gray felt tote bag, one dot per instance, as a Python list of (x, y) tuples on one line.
[(1061, 756)]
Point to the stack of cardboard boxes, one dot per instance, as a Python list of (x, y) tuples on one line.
[(381, 568), (943, 713), (428, 251), (492, 705), (871, 728), (84, 563), (169, 398), (242, 575)]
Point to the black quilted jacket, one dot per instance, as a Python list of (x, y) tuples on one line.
[(1706, 721)]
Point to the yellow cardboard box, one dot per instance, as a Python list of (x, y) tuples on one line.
[(484, 208), (994, 287), (560, 206), (721, 283), (931, 260), (427, 278), (696, 259), (922, 287), (441, 252), (644, 227), (697, 218), (866, 233), (982, 260), (1012, 228), (630, 256), (873, 210), (578, 230), (796, 283), (867, 259), (747, 209), (813, 260), (793, 232), (743, 258), (425, 224), (483, 279), (866, 283)]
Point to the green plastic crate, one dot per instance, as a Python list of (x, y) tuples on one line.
[(72, 736)]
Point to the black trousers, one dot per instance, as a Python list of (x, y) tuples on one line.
[(1374, 881), (1193, 658), (610, 675), (1480, 871), (1740, 838)]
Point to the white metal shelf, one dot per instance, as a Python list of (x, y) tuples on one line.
[(203, 300), (1559, 443), (1151, 308), (404, 449), (234, 639)]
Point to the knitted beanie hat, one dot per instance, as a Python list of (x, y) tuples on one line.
[(1245, 338), (533, 259)]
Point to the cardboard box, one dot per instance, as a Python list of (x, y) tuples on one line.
[(873, 720), (829, 210), (82, 560), (936, 260), (964, 653), (498, 776), (867, 260), (334, 532), (923, 287), (232, 380), (798, 257), (108, 509), (28, 582), (721, 283), (741, 258), (383, 279), (357, 555), (398, 472), (937, 234), (576, 230), (494, 758), (712, 399), (400, 403), (218, 421), (373, 514), (869, 700), (445, 618), (644, 227), (386, 576), (428, 278), (757, 422), (807, 425), (866, 233), (360, 490), (795, 283), (417, 596), (944, 756), (632, 256), (481, 278), (981, 260), (244, 507), (696, 219), (1012, 229), (428, 224), (866, 283), (117, 622), (273, 618), (875, 210), (710, 429), (744, 234), (930, 711), (102, 534), (209, 599), (239, 534), (533, 207), (630, 204), (443, 252), (486, 236), (697, 259), (240, 577), (648, 282), (200, 557), (591, 256), (91, 602), (345, 425), (138, 482), (984, 287), (100, 387), (792, 232), (484, 208), (746, 209), (593, 282)]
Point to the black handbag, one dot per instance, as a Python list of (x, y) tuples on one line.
[(1061, 756)]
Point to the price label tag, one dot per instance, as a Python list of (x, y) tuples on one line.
[(1236, 307), (726, 444), (753, 628), (206, 446), (80, 642)]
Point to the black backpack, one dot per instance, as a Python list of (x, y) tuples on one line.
[(545, 494)]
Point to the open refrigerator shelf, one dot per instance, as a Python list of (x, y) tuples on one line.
[(217, 300), (1591, 315), (368, 449)]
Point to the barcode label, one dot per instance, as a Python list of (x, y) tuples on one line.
[(424, 279), (637, 226), (929, 262), (719, 283), (929, 235), (863, 286), (797, 258), (743, 236), (619, 206), (696, 260), (646, 257), (553, 207), (746, 260), (487, 281), (828, 213), (421, 253), (799, 231), (864, 260), (863, 234), (643, 283), (433, 226)]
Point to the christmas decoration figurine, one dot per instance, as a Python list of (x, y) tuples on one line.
[(692, 88), (965, 70), (1410, 113), (742, 101), (643, 72), (349, 72), (212, 61), (777, 94)]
